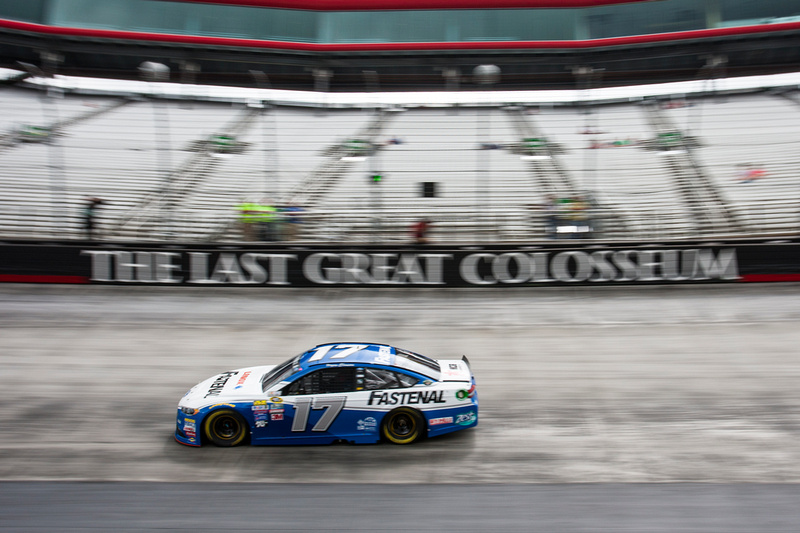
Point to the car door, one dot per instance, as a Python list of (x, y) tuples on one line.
[(309, 409)]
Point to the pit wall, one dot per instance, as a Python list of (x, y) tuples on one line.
[(385, 266)]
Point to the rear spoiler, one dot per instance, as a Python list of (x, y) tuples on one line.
[(464, 358)]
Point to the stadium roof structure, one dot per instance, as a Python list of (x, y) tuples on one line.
[(404, 45), (777, 84)]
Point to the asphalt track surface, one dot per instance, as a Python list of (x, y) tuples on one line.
[(602, 409)]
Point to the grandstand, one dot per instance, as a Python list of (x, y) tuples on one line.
[(164, 172), (370, 116)]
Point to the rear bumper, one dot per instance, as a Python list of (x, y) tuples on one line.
[(449, 420)]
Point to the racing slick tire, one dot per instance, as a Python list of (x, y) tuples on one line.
[(403, 426), (225, 428)]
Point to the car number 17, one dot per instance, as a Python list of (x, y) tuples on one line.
[(332, 405), (347, 350)]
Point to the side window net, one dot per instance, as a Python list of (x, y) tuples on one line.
[(377, 378), (324, 381), (406, 380), (305, 385)]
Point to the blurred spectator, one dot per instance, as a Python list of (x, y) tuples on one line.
[(749, 173), (551, 216), (675, 104), (420, 231), (248, 218), (90, 217), (267, 221), (615, 143), (579, 216), (292, 218), (570, 218)]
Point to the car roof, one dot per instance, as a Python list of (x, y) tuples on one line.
[(350, 353)]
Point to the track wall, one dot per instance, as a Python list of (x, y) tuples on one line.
[(467, 266)]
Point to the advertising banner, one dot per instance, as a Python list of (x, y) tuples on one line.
[(381, 266)]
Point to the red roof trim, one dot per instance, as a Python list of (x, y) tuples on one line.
[(36, 278), (385, 5), (380, 47), (770, 277)]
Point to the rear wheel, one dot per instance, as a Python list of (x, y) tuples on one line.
[(403, 426), (225, 428)]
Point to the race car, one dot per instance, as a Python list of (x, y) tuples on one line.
[(359, 393)]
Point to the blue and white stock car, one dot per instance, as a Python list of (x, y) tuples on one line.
[(334, 392)]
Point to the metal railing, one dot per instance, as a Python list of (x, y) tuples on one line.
[(452, 225)]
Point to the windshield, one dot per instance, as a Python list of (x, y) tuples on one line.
[(279, 373)]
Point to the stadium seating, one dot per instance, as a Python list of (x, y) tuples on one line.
[(177, 169)]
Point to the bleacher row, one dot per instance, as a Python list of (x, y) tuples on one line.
[(160, 178)]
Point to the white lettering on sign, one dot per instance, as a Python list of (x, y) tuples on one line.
[(576, 266), (370, 269), (162, 267), (395, 269), (244, 269), (132, 267)]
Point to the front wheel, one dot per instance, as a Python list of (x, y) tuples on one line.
[(403, 426), (225, 428)]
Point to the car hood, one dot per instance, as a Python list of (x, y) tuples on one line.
[(232, 385)]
